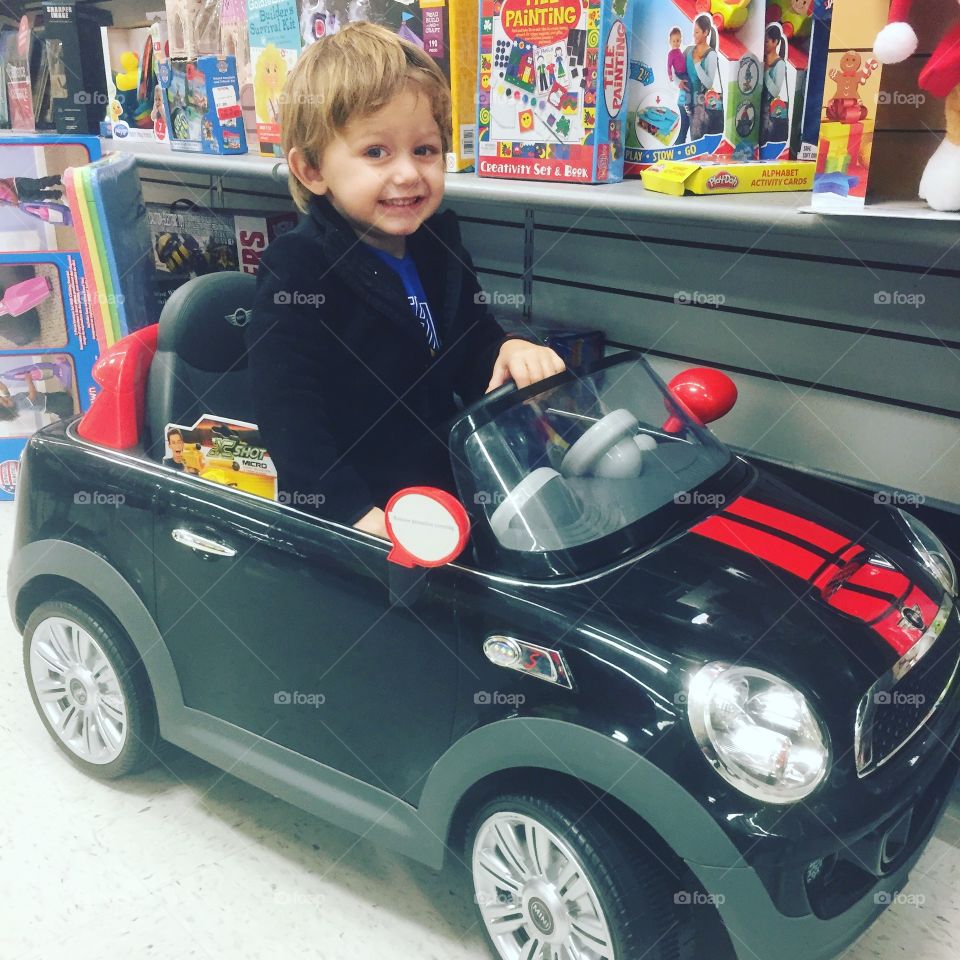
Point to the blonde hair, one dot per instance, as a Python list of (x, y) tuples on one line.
[(352, 73)]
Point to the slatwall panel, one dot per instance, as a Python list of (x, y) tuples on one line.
[(829, 377)]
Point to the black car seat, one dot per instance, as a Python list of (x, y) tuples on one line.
[(201, 363)]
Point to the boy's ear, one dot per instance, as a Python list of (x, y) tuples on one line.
[(309, 176)]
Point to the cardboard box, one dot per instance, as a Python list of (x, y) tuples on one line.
[(706, 176), (785, 66), (201, 102), (16, 51), (552, 89), (690, 97), (131, 62), (275, 45), (46, 340), (78, 89)]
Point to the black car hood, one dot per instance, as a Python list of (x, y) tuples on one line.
[(778, 582)]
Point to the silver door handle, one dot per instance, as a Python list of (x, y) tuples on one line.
[(202, 544)]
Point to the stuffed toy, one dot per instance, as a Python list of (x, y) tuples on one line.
[(940, 185)]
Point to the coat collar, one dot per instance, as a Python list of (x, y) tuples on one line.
[(436, 251)]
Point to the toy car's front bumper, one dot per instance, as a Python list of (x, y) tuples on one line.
[(843, 907)]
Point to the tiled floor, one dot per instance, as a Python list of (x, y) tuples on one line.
[(188, 862)]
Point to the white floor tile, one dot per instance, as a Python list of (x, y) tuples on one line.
[(185, 862)]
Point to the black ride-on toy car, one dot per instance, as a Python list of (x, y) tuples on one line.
[(662, 704)]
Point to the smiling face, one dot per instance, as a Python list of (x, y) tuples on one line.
[(384, 172), (675, 40), (850, 62), (699, 34), (176, 446), (802, 7)]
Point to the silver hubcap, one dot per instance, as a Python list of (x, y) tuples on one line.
[(534, 895), (78, 690)]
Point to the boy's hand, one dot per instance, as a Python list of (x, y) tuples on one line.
[(524, 363), (374, 522)]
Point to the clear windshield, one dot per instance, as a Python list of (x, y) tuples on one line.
[(585, 459)]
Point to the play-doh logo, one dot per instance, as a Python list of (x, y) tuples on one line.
[(723, 181), (615, 68), (9, 471), (540, 22)]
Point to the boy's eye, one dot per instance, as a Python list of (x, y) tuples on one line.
[(425, 150), (375, 153)]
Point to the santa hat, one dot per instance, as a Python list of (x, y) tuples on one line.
[(897, 40)]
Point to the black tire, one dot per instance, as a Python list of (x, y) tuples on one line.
[(141, 739), (636, 893)]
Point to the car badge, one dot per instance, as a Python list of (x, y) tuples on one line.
[(529, 658), (240, 317), (911, 617)]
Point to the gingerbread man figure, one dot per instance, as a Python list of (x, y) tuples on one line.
[(846, 105), (940, 184)]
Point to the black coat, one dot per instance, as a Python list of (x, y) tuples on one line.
[(349, 401)]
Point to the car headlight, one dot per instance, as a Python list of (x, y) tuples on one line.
[(758, 732), (931, 551)]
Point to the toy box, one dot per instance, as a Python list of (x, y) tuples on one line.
[(275, 45), (16, 51), (786, 59), (695, 87), (47, 350), (445, 29), (552, 89), (72, 40), (201, 102), (710, 176), (34, 210), (228, 452), (131, 59)]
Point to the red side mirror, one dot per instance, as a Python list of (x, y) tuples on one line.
[(115, 418), (427, 526), (705, 394)]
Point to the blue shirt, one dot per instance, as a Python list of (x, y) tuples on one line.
[(407, 270)]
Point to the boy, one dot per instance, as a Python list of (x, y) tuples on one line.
[(368, 316)]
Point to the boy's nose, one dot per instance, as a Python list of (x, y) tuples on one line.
[(405, 171)]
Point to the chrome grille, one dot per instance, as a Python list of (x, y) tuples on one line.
[(900, 703)]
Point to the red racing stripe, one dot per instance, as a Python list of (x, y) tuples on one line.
[(891, 582), (790, 523), (760, 544)]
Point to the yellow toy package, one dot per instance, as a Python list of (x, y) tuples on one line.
[(228, 452)]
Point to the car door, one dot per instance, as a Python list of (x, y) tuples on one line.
[(283, 625)]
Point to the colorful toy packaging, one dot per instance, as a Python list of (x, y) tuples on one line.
[(201, 101), (695, 81), (47, 350), (553, 81), (228, 452), (274, 48), (16, 48), (705, 177), (786, 59)]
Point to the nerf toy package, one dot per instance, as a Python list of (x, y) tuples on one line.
[(695, 81), (34, 208), (553, 80), (201, 101), (228, 452), (786, 59), (47, 350)]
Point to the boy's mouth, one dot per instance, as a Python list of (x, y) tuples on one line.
[(400, 203)]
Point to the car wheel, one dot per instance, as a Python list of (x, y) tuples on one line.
[(554, 885), (90, 689)]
